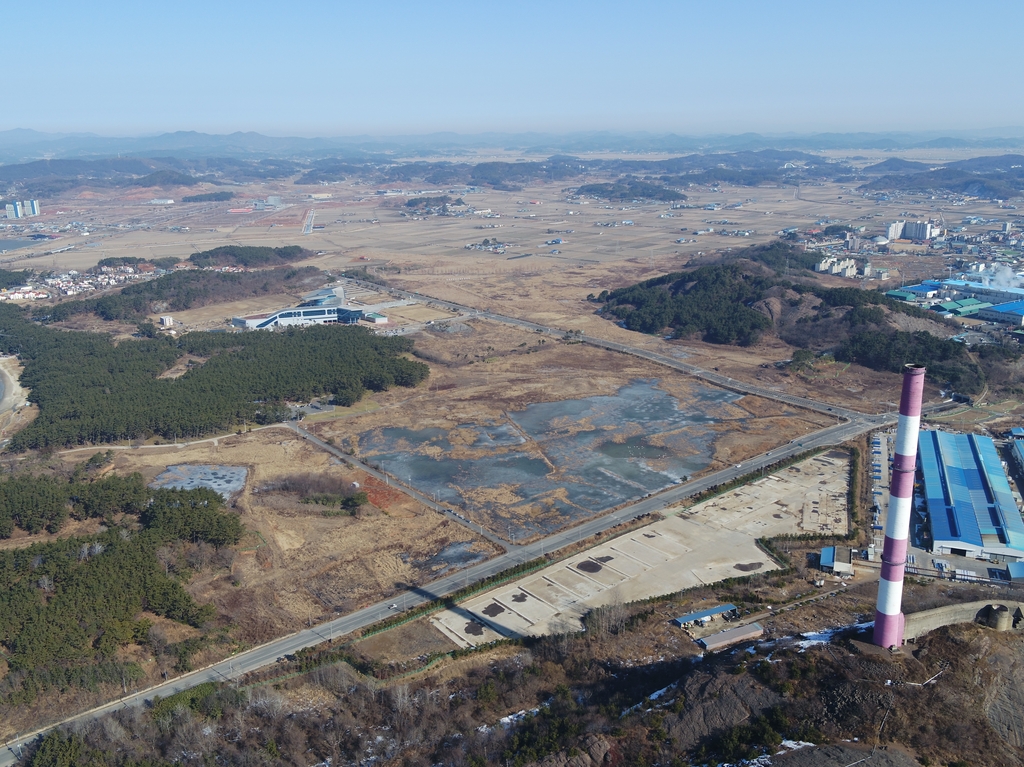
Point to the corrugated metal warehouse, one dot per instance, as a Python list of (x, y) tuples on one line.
[(731, 636), (969, 502)]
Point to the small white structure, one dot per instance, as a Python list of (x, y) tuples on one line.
[(167, 322)]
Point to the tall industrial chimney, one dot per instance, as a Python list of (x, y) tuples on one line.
[(888, 615)]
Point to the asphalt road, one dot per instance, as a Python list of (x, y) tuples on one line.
[(268, 654), (264, 655)]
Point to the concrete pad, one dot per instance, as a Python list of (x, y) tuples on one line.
[(459, 639), (713, 541), (548, 591), (500, 617), (640, 552), (526, 604), (625, 564), (463, 629), (670, 542), (574, 582), (593, 568)]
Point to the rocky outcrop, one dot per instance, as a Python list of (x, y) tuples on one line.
[(717, 702), (592, 752)]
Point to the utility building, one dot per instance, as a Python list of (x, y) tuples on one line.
[(732, 636), (704, 617), (837, 559)]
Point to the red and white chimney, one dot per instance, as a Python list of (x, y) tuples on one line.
[(888, 611)]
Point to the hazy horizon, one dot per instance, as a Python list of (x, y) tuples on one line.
[(1013, 131), (344, 70)]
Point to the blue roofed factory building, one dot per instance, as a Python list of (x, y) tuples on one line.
[(1011, 313), (1017, 451), (968, 498)]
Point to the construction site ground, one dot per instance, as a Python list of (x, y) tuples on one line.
[(481, 372), (694, 547)]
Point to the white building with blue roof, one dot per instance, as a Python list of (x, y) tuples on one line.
[(1010, 313), (967, 496), (326, 306), (995, 294)]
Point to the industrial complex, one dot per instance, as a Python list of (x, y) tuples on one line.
[(968, 498), (962, 298)]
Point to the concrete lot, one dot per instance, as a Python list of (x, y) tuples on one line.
[(698, 545)]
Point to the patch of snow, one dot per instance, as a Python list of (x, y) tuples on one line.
[(812, 638), (653, 696), (516, 718), (793, 745)]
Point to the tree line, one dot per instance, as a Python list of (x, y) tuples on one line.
[(9, 279), (90, 390), (209, 197), (631, 189), (947, 361), (179, 291), (250, 256), (716, 302)]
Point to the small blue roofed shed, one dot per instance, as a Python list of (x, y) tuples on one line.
[(1015, 571), (1017, 432), (837, 559), (706, 615)]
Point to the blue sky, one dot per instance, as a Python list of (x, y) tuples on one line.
[(346, 68)]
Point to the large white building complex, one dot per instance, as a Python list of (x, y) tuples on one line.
[(322, 307)]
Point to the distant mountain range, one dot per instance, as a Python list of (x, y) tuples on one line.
[(22, 145)]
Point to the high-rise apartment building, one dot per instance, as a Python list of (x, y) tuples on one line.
[(919, 230)]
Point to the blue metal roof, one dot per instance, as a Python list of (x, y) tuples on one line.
[(704, 614), (966, 490), (1017, 431), (828, 556), (966, 285), (1017, 449), (1015, 570), (1012, 307)]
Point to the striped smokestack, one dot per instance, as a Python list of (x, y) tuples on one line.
[(888, 616)]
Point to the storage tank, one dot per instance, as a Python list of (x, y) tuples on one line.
[(1000, 618)]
